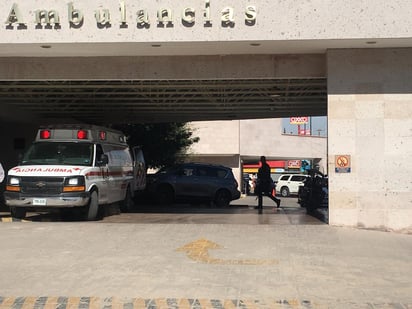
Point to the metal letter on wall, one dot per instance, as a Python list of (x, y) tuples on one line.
[(14, 16), (228, 18), (165, 16), (76, 17), (123, 13), (208, 19), (47, 17), (102, 17), (143, 18), (188, 16), (250, 15)]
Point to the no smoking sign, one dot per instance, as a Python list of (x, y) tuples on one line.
[(342, 164)]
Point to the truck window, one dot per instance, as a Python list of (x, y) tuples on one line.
[(99, 152), (118, 155), (61, 153)]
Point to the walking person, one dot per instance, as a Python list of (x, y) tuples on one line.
[(265, 184)]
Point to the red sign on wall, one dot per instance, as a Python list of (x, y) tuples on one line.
[(299, 120), (294, 164)]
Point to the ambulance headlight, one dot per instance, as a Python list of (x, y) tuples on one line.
[(73, 181), (14, 181), (74, 184), (13, 184)]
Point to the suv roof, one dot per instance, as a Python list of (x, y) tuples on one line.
[(203, 164)]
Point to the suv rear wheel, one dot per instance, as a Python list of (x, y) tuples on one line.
[(284, 191), (222, 198)]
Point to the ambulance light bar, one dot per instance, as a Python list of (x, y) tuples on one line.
[(102, 135), (45, 134), (82, 134)]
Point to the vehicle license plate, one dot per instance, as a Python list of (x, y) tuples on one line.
[(40, 201)]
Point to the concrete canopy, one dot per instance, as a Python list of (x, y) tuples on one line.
[(103, 61)]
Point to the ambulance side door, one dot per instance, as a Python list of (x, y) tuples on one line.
[(102, 177)]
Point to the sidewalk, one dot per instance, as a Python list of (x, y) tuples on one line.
[(130, 265), (286, 204)]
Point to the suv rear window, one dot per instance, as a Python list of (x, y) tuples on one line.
[(286, 177), (211, 172), (298, 178)]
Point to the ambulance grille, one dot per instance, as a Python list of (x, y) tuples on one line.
[(42, 185)]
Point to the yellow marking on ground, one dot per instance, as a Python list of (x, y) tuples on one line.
[(10, 219), (198, 251), (206, 304), (294, 303), (289, 303), (228, 304), (51, 303), (117, 303), (316, 305), (276, 305), (73, 303), (139, 303), (95, 303), (29, 302), (161, 303), (7, 302), (183, 304), (158, 303)]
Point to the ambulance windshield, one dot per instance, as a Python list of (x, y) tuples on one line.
[(59, 153)]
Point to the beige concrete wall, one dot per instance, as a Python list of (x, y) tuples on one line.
[(216, 137), (264, 137), (275, 20), (223, 141), (370, 119)]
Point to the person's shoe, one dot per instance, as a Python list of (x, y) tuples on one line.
[(278, 203)]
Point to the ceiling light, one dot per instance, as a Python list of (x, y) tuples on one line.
[(371, 42), (255, 44), (45, 46)]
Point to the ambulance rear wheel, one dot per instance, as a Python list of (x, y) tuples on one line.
[(18, 212), (92, 209)]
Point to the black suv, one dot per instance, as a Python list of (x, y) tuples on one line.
[(194, 181)]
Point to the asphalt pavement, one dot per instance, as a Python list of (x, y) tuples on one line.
[(280, 263)]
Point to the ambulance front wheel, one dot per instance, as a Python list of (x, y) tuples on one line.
[(93, 208), (18, 212)]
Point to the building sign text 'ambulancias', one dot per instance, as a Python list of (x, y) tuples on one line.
[(103, 17)]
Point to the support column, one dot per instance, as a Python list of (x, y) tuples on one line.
[(370, 119)]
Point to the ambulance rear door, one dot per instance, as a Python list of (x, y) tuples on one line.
[(139, 169)]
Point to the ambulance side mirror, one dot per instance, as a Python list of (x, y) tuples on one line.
[(104, 159)]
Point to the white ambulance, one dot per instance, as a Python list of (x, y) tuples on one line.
[(78, 168)]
